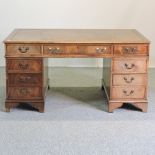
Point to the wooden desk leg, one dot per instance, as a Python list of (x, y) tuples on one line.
[(113, 106), (41, 108), (142, 106), (9, 105), (7, 109)]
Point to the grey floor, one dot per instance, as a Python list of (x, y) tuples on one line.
[(76, 121)]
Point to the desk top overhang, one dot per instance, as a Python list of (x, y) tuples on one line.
[(76, 36)]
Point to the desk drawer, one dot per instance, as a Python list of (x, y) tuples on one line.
[(24, 93), (59, 50), (131, 49), (129, 79), (24, 65), (23, 50), (24, 79), (128, 92), (100, 50), (138, 65), (77, 50)]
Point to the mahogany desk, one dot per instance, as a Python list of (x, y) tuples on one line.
[(125, 65)]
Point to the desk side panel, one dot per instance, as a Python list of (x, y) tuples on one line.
[(106, 78), (45, 76)]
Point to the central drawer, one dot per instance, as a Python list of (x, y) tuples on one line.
[(83, 50), (24, 79), (24, 93)]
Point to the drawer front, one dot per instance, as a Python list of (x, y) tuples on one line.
[(130, 65), (131, 49), (24, 50), (129, 79), (132, 92), (79, 50), (24, 79), (24, 65), (59, 50), (96, 50), (24, 93)]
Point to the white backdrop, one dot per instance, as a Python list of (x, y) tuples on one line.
[(138, 14)]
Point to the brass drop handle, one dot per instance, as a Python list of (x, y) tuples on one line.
[(100, 50), (23, 66), (24, 79), (127, 66), (54, 50), (24, 91), (129, 50), (23, 49), (128, 94), (128, 81)]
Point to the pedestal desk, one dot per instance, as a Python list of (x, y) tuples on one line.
[(125, 65)]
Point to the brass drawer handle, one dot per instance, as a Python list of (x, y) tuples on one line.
[(101, 50), (128, 94), (127, 66), (23, 79), (23, 66), (129, 50), (23, 49), (54, 50), (24, 91), (128, 81)]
